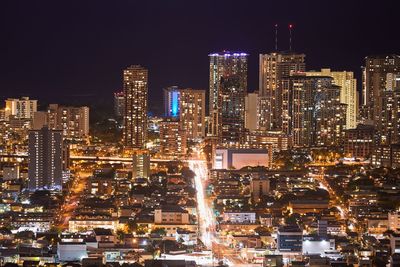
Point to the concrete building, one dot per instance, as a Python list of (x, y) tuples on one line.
[(251, 111), (276, 140), (77, 224), (192, 113), (71, 251), (374, 83), (45, 159), (313, 114), (141, 164), (135, 116), (170, 214), (72, 121), (239, 158), (360, 142), (239, 217), (386, 156), (22, 108), (188, 105), (290, 239), (228, 88), (348, 92), (274, 68), (172, 138)]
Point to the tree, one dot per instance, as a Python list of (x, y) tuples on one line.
[(159, 231)]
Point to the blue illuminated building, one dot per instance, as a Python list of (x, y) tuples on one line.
[(172, 101)]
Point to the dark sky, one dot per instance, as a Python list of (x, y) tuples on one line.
[(55, 50)]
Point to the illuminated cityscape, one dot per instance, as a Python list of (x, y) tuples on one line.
[(168, 134)]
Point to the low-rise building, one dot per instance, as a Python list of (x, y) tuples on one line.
[(290, 239)]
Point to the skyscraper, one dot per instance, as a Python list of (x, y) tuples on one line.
[(45, 159), (188, 105), (274, 68), (192, 112), (374, 83), (312, 113), (389, 122), (348, 92), (228, 87), (172, 101), (135, 117)]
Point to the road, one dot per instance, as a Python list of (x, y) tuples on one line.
[(207, 220), (72, 200), (334, 199)]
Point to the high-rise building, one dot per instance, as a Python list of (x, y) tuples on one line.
[(119, 104), (374, 83), (274, 68), (348, 92), (172, 101), (228, 88), (188, 105), (251, 111), (311, 112), (192, 112), (360, 142), (135, 116), (141, 164), (389, 123), (20, 108), (45, 159), (172, 137), (73, 121)]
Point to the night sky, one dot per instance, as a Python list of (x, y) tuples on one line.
[(56, 51)]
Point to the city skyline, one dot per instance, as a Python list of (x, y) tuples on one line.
[(228, 134), (47, 54)]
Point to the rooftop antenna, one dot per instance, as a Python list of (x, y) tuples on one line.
[(290, 36), (276, 37)]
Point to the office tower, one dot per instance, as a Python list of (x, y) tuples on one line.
[(119, 104), (374, 83), (73, 121), (172, 101), (251, 111), (20, 108), (228, 88), (141, 164), (274, 68), (45, 159), (192, 113), (172, 137), (348, 92), (135, 118)]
